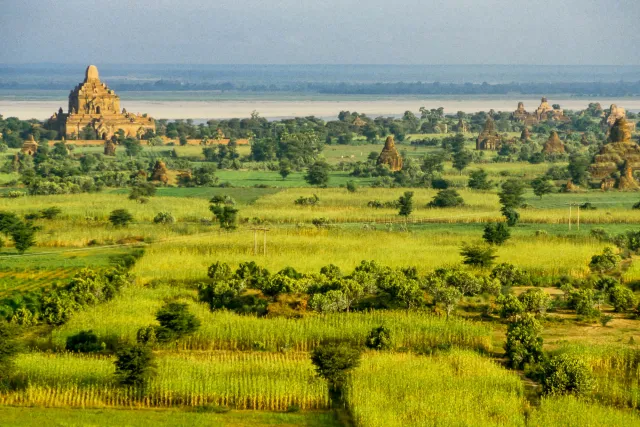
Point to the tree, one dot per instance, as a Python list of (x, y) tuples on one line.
[(120, 217), (447, 198), (478, 180), (524, 344), (135, 365), (142, 190), (23, 236), (352, 187), (541, 186), (478, 255), (83, 342), (333, 362), (622, 298), (433, 164), (511, 194), (379, 339), (405, 202), (449, 297), (224, 212), (176, 321), (579, 168), (511, 215), (496, 233), (566, 374), (285, 169), (462, 159), (318, 174), (607, 262), (132, 147)]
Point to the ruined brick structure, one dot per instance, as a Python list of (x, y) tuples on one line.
[(390, 156), (93, 104), (30, 146), (618, 159), (553, 145), (489, 139)]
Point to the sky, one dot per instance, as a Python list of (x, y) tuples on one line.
[(564, 32)]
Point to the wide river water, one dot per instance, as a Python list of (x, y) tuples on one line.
[(200, 108)]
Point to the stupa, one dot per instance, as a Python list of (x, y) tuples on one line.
[(488, 138), (390, 156)]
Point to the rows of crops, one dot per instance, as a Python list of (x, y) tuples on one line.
[(256, 381)]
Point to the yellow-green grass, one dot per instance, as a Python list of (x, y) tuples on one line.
[(38, 417), (307, 250), (571, 412), (222, 330), (459, 388), (257, 381), (615, 369)]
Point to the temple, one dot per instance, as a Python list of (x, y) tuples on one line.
[(615, 113), (93, 104), (390, 156), (489, 139), (543, 113), (618, 159)]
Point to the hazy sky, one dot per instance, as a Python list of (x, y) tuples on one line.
[(322, 31)]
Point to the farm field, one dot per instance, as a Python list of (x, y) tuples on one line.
[(246, 294)]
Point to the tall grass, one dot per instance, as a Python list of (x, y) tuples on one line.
[(571, 412), (222, 330), (256, 381), (616, 370), (454, 389)]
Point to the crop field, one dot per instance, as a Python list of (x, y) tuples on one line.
[(250, 359)]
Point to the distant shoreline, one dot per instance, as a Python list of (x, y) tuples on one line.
[(199, 106)]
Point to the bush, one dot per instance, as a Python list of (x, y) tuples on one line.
[(566, 374), (379, 339), (175, 321), (622, 298), (135, 365), (524, 344), (448, 198), (333, 362), (477, 255), (120, 217), (164, 218), (496, 233), (83, 342), (604, 263), (50, 213), (511, 215), (307, 201)]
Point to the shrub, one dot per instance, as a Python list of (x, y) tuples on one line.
[(352, 186), (50, 213), (604, 263), (379, 339), (120, 217), (566, 374), (447, 198), (307, 201), (175, 321), (8, 349), (83, 342), (524, 344), (164, 218), (622, 298), (477, 255), (135, 365), (496, 233), (333, 362), (511, 215)]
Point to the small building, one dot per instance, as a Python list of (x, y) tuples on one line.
[(390, 156), (30, 146), (489, 139)]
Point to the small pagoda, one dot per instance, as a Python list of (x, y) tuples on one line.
[(390, 156)]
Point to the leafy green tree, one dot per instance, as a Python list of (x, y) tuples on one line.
[(541, 186), (478, 255), (447, 198), (462, 159), (510, 306), (405, 203), (176, 321), (535, 301), (579, 168), (566, 374), (24, 236), (50, 213), (511, 215), (120, 217), (164, 218), (449, 297), (622, 298), (511, 194), (135, 365), (478, 180), (83, 342), (607, 262), (225, 213), (285, 169), (142, 191), (433, 165), (318, 174), (352, 187), (524, 344), (496, 233), (132, 147), (333, 362), (379, 339), (583, 302)]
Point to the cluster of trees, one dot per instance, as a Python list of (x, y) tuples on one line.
[(370, 285), (54, 306)]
